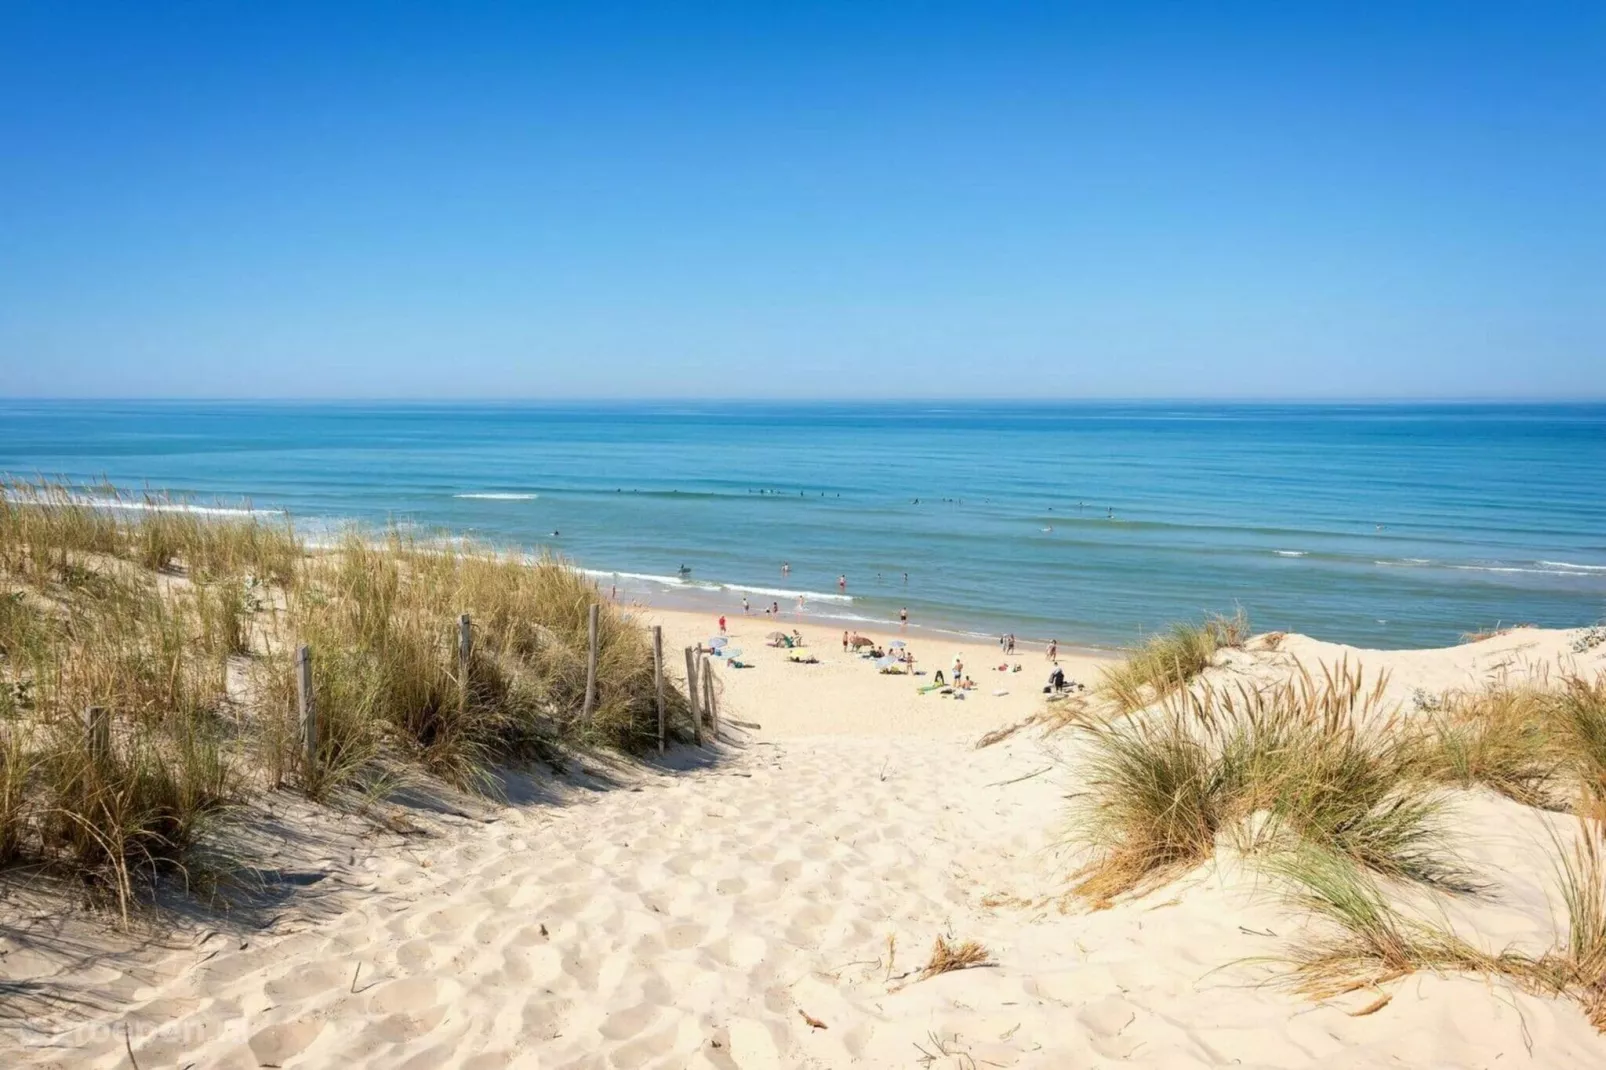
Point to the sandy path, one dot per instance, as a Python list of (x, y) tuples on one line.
[(694, 919)]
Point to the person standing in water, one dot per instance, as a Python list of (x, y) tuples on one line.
[(903, 617), (842, 583), (786, 569)]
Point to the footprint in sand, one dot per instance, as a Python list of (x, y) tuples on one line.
[(406, 996), (279, 1043)]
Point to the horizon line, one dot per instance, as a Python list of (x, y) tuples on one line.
[(1000, 399)]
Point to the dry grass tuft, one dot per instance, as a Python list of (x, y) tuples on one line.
[(947, 957), (1168, 661)]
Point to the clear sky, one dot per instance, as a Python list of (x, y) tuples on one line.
[(860, 199)]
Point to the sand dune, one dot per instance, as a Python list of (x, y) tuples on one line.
[(770, 909)]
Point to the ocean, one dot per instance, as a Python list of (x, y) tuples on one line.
[(1385, 525)]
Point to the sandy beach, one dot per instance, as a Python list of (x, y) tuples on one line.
[(770, 902)]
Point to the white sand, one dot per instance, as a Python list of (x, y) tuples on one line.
[(693, 919)]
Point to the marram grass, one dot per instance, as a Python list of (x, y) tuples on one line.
[(182, 627)]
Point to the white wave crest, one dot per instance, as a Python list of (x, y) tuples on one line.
[(808, 596), (140, 506), (498, 496)]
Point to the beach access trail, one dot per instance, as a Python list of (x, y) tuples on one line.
[(774, 908)]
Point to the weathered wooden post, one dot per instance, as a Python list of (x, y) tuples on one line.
[(658, 680), (708, 693), (591, 665), (465, 646), (691, 694), (98, 733), (309, 715)]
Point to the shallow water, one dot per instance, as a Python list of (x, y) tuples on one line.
[(1386, 525)]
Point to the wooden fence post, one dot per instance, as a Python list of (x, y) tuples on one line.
[(465, 644), (691, 693), (591, 665), (713, 701), (658, 680), (98, 733), (309, 715)]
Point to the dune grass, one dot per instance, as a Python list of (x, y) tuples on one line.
[(1504, 738), (381, 619), (1169, 660), (1313, 761), (1580, 714), (146, 609), (1364, 941), (1578, 968)]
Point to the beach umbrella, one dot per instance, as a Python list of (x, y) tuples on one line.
[(728, 652), (882, 663), (776, 635), (897, 644), (718, 641)]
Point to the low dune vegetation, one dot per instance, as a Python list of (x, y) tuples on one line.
[(1345, 803), (147, 678), (1168, 660)]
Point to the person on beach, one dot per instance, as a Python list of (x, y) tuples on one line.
[(800, 603), (959, 669), (744, 605), (775, 608), (844, 642), (722, 624), (1009, 645), (1054, 651)]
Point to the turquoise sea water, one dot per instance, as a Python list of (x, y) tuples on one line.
[(1386, 525)]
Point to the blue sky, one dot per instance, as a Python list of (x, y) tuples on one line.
[(826, 200)]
